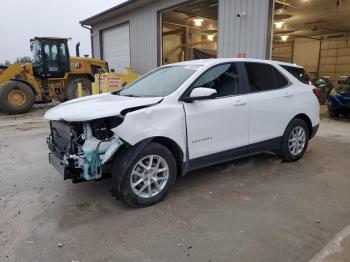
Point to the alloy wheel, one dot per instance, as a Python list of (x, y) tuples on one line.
[(297, 140), (149, 176)]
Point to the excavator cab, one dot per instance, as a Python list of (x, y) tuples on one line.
[(50, 57)]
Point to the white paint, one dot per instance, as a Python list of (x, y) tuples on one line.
[(116, 47), (95, 107), (216, 125), (213, 125), (162, 120), (332, 247), (202, 92)]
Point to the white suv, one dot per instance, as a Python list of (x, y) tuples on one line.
[(181, 117)]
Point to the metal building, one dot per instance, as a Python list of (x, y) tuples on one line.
[(144, 34)]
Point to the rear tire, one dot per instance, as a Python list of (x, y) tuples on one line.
[(72, 88), (16, 97), (294, 141), (333, 113), (149, 177)]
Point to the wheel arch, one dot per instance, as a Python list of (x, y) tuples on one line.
[(307, 120), (70, 77), (174, 148)]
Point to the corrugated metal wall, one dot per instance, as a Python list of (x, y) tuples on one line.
[(143, 33), (247, 34), (334, 58)]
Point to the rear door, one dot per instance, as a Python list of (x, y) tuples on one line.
[(271, 102), (220, 124)]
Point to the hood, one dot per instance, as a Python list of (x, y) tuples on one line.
[(97, 106), (343, 90)]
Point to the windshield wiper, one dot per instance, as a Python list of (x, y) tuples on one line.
[(118, 93), (128, 95)]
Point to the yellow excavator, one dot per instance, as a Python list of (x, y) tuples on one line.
[(53, 74)]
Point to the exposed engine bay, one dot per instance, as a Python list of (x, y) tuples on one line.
[(81, 150)]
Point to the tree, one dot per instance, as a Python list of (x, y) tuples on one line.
[(24, 59), (6, 63)]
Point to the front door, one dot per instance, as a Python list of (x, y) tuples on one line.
[(220, 124)]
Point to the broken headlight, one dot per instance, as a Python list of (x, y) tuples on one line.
[(102, 128)]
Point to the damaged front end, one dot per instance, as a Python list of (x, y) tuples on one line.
[(81, 151)]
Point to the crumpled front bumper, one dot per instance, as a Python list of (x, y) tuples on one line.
[(93, 164), (66, 166)]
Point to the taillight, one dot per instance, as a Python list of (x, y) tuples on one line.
[(317, 91)]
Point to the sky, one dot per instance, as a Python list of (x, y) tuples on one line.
[(20, 20)]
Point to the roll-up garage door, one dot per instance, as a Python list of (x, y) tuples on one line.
[(116, 47)]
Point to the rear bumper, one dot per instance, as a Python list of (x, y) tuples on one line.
[(314, 131), (336, 103)]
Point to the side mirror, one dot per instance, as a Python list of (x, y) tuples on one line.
[(201, 93)]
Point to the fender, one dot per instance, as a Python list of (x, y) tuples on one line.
[(160, 120), (25, 82), (122, 161)]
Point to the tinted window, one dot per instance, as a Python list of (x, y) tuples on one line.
[(281, 81), (298, 73), (222, 78), (264, 77)]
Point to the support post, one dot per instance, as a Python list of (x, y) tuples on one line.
[(80, 89), (95, 89)]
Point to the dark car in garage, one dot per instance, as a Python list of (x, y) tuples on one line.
[(324, 85), (339, 99)]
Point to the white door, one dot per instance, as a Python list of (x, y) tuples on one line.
[(272, 102), (116, 47), (219, 124)]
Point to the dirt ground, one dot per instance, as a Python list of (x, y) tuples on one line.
[(254, 209)]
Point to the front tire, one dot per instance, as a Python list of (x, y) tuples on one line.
[(294, 141), (16, 97), (150, 176)]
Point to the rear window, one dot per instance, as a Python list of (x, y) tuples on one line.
[(298, 73)]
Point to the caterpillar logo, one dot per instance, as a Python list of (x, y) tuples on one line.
[(75, 65)]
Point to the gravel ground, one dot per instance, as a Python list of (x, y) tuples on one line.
[(254, 209)]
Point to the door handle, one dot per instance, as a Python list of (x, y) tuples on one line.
[(287, 94), (240, 103)]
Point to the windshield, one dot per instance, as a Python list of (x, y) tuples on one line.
[(36, 49), (160, 82)]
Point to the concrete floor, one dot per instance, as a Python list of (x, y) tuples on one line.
[(255, 209)]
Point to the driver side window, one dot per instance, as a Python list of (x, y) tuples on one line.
[(223, 78)]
